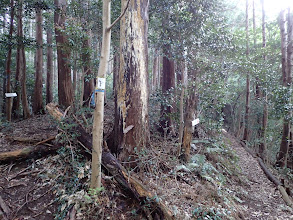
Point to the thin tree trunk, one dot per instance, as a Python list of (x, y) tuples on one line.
[(155, 71), (190, 114), (282, 22), (65, 90), (81, 88), (99, 98), (132, 97), (247, 103), (254, 23), (182, 83), (24, 101), (38, 97), (74, 74), (16, 100), (2, 93), (263, 145), (50, 75), (8, 65), (289, 82)]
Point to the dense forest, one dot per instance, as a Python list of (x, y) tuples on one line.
[(143, 109)]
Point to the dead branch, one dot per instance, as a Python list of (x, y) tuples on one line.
[(4, 207), (44, 141)]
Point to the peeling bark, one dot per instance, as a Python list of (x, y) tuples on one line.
[(132, 95)]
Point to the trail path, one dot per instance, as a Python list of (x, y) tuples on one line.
[(261, 200)]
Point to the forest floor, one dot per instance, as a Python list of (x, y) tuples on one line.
[(228, 184), (260, 198)]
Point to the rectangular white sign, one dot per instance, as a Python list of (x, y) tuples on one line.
[(10, 95), (101, 83)]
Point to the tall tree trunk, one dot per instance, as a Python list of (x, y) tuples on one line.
[(16, 100), (88, 78), (8, 65), (289, 82), (24, 101), (247, 103), (49, 88), (168, 83), (182, 83), (263, 145), (283, 152), (132, 97), (38, 97), (3, 87), (65, 90)]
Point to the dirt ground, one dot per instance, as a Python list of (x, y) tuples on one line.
[(260, 198), (29, 189)]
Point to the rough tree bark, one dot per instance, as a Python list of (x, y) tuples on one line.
[(8, 64), (38, 97), (65, 90), (132, 127), (49, 88)]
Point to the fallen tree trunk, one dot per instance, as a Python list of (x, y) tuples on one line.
[(28, 152), (134, 187), (29, 140), (271, 177)]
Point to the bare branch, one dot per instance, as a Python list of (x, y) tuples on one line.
[(118, 19)]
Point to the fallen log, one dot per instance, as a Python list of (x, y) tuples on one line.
[(27, 152), (271, 177), (30, 140), (132, 186)]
